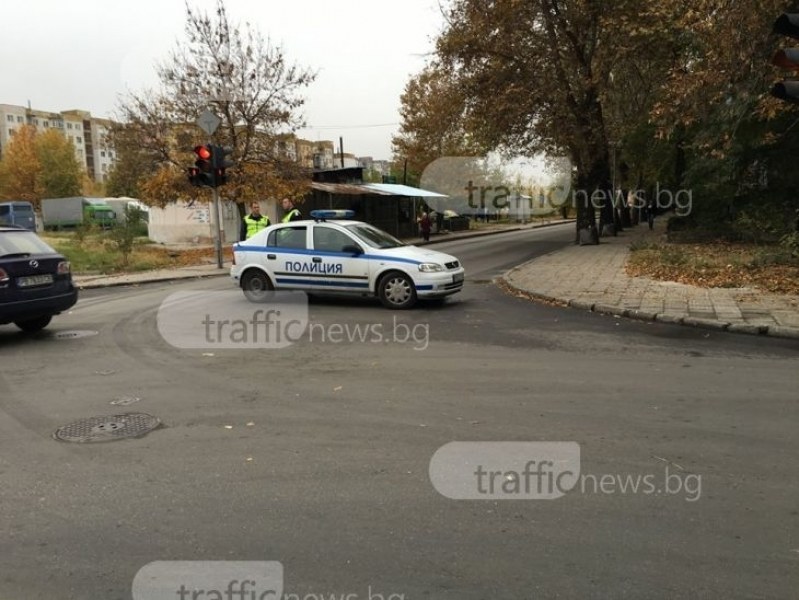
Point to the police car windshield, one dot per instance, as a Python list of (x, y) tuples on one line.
[(374, 236)]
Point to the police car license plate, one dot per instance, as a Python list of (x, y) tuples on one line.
[(34, 280), (457, 277)]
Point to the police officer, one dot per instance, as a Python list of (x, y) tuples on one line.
[(291, 213), (253, 223)]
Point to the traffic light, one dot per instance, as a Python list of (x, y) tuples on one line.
[(788, 89), (202, 174), (219, 163)]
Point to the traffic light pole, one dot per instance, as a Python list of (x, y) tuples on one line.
[(210, 172), (218, 225)]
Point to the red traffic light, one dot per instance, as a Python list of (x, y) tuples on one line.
[(204, 152)]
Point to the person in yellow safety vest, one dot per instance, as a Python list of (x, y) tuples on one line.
[(253, 223), (291, 213)]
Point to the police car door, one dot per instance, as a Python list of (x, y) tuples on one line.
[(288, 258), (341, 258)]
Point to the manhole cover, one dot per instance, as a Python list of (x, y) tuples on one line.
[(71, 335), (107, 429)]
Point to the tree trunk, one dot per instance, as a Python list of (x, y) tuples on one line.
[(592, 187)]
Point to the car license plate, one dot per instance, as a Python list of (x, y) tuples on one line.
[(457, 277), (34, 280)]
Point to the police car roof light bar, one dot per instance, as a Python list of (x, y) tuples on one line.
[(321, 215)]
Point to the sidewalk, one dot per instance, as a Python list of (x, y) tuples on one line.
[(593, 278), (211, 269)]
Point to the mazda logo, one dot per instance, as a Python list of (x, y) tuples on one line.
[(34, 264)]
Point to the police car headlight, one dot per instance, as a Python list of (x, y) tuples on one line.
[(430, 268)]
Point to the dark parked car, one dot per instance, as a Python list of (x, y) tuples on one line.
[(35, 280)]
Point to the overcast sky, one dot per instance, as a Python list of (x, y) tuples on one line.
[(86, 53)]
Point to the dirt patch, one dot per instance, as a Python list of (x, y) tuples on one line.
[(723, 265)]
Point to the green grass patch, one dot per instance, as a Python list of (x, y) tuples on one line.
[(96, 254)]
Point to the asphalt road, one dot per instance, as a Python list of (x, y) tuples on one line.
[(317, 455)]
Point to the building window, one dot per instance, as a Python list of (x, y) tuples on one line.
[(36, 122), (46, 123), (102, 153), (79, 140), (11, 132), (10, 118), (20, 120)]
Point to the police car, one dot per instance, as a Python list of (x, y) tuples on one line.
[(331, 254)]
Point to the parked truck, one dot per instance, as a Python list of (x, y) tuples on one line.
[(19, 213), (118, 205), (62, 213)]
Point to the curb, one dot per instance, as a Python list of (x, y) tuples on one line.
[(88, 285), (775, 331)]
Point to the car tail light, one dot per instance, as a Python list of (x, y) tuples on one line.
[(4, 278), (234, 258), (63, 268)]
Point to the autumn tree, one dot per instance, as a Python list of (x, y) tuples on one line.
[(740, 142), (244, 79), (39, 165), (133, 163), (553, 77), (433, 112), (60, 175), (20, 168)]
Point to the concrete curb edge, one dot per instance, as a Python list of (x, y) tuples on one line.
[(776, 331)]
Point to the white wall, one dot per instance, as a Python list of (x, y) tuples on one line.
[(190, 223)]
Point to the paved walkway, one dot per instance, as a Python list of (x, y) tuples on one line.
[(594, 278)]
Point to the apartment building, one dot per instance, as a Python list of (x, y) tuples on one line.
[(310, 155), (314, 155), (345, 161), (381, 167), (89, 135)]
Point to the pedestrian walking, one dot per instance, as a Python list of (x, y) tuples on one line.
[(650, 214), (424, 226)]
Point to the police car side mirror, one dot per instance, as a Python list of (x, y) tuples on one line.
[(352, 249)]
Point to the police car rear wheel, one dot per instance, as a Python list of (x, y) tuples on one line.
[(397, 291), (257, 287)]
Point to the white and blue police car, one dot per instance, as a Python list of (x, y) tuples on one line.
[(332, 254)]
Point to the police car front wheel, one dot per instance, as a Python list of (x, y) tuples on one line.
[(396, 290), (256, 286)]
